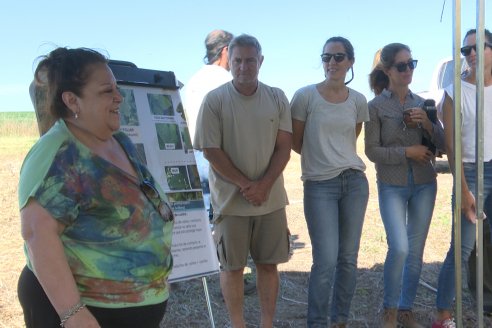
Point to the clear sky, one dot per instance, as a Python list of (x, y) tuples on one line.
[(169, 35)]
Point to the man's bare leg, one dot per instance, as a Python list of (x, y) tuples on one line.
[(267, 283), (232, 285)]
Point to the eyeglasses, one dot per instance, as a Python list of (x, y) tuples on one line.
[(339, 57), (152, 195), (402, 67), (466, 50)]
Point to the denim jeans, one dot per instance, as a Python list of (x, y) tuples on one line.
[(334, 211), (446, 285), (406, 212)]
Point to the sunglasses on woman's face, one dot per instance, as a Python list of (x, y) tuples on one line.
[(402, 67), (466, 50), (339, 57)]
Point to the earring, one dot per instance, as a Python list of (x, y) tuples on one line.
[(76, 115)]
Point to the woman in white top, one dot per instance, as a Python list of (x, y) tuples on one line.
[(446, 286), (326, 121)]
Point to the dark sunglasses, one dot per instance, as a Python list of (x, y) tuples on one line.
[(339, 57), (466, 50), (152, 195), (402, 67)]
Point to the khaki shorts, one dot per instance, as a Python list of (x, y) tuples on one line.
[(265, 237)]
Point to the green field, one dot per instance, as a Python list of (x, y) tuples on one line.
[(15, 124), (18, 132)]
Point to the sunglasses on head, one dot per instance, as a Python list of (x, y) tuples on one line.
[(163, 208), (339, 57), (466, 50), (402, 67)]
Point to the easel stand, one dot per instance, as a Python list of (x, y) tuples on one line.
[(209, 305)]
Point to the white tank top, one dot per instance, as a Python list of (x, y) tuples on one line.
[(468, 117)]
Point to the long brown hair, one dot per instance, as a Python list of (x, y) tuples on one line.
[(378, 80)]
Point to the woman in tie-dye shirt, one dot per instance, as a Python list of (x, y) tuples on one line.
[(97, 228)]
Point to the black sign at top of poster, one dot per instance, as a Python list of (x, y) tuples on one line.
[(128, 73)]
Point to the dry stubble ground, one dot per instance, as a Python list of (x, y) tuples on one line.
[(187, 305)]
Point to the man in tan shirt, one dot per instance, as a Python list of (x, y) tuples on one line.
[(244, 129)]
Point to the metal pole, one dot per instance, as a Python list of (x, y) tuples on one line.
[(479, 153), (209, 305), (457, 161)]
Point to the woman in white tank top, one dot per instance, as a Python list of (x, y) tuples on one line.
[(446, 285)]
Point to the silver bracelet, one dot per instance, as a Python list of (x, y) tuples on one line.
[(67, 315)]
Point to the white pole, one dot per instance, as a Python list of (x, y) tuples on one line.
[(457, 161), (479, 152), (209, 305)]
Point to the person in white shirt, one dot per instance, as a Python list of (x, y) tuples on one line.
[(446, 283), (213, 74)]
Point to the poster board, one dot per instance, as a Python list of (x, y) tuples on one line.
[(152, 115)]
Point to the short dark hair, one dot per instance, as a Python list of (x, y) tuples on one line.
[(487, 33), (349, 49), (62, 70)]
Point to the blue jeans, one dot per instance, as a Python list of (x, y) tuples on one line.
[(406, 212), (334, 211), (446, 286)]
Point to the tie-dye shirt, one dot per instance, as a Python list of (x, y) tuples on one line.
[(116, 243)]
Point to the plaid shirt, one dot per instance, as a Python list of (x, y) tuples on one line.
[(386, 137)]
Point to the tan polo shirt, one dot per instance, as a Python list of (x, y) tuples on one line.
[(245, 128)]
